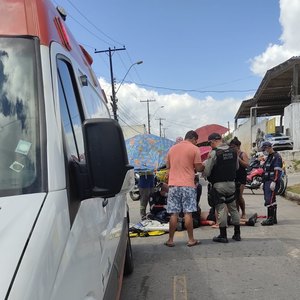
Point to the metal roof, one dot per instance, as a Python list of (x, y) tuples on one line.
[(274, 92)]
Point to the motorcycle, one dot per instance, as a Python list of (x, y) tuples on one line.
[(160, 177), (255, 174), (283, 182), (135, 193)]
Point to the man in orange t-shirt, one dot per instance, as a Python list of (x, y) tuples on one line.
[(183, 160)]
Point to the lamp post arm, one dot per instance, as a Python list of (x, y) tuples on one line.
[(136, 63), (124, 77)]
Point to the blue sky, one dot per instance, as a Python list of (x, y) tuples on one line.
[(201, 58)]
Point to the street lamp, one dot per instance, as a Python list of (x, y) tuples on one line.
[(136, 63), (162, 106)]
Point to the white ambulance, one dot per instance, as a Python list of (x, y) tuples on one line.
[(64, 172)]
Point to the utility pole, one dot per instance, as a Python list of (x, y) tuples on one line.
[(164, 129), (160, 124), (114, 100), (148, 112)]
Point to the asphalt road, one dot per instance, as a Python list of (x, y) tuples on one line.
[(264, 265)]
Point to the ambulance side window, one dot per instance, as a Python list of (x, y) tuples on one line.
[(71, 113), (94, 103)]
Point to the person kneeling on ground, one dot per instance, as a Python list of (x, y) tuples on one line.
[(158, 203)]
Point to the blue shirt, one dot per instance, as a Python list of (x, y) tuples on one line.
[(146, 181)]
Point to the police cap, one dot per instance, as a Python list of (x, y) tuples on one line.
[(214, 136), (265, 145)]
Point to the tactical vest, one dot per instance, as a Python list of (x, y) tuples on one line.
[(225, 166)]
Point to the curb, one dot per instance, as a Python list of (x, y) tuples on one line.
[(292, 196)]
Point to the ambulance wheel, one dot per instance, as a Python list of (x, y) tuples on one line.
[(128, 267)]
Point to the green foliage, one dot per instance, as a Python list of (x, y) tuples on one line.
[(296, 164), (228, 137), (294, 188)]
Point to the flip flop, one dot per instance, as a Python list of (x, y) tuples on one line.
[(169, 245), (197, 242)]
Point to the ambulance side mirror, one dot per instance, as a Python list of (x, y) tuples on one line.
[(106, 156)]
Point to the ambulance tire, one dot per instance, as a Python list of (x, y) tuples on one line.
[(128, 266)]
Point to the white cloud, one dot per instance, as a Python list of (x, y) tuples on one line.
[(180, 112), (290, 39)]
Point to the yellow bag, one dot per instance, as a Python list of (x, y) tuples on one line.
[(146, 233), (162, 175)]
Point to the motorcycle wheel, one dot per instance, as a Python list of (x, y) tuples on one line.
[(256, 182), (282, 186), (134, 195)]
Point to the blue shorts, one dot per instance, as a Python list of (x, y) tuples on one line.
[(181, 199)]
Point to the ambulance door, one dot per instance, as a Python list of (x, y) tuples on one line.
[(82, 267)]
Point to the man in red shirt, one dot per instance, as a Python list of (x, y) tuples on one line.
[(183, 160)]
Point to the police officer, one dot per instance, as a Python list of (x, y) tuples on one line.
[(271, 179), (220, 170)]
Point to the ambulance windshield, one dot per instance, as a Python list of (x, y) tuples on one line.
[(20, 166)]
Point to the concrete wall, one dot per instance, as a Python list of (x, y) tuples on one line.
[(243, 134), (244, 131), (292, 123)]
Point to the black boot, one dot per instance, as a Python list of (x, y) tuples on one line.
[(222, 238), (237, 233), (252, 220), (275, 214), (270, 220)]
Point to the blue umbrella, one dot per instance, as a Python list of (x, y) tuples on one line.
[(147, 152)]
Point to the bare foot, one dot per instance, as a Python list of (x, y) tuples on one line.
[(215, 226)]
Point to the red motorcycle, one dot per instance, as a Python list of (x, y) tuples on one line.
[(254, 177)]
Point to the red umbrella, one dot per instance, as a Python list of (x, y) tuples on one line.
[(204, 131), (204, 151)]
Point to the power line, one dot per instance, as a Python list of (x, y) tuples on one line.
[(91, 23), (178, 124), (193, 90), (148, 111), (128, 115), (148, 85), (160, 124), (90, 31), (113, 97), (129, 125)]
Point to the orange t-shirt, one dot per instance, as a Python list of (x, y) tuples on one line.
[(182, 158)]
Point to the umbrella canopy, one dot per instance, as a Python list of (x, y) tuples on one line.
[(147, 151), (204, 151), (204, 131)]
